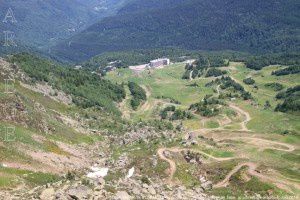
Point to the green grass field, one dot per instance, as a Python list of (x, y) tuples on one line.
[(265, 123), (165, 82), (168, 83)]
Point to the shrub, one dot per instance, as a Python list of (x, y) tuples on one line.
[(286, 71), (275, 86), (249, 81), (214, 72), (138, 94)]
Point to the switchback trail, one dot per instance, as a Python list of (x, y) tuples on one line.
[(225, 182), (282, 183), (242, 112), (252, 170), (263, 143), (172, 169)]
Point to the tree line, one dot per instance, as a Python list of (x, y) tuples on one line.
[(138, 95), (87, 89)]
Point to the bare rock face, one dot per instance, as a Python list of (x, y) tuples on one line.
[(48, 194), (151, 190), (122, 195), (80, 192), (207, 185)]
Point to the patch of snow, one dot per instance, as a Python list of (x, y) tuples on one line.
[(4, 165), (97, 172), (130, 173), (95, 169)]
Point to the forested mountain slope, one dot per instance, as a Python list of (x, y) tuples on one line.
[(42, 23), (254, 26)]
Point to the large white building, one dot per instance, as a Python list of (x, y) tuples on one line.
[(158, 63)]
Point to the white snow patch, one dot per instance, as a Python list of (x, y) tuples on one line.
[(97, 172), (95, 169), (4, 165), (130, 173)]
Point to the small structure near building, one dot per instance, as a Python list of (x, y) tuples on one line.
[(115, 63), (110, 68), (190, 62), (78, 67), (139, 68), (159, 62)]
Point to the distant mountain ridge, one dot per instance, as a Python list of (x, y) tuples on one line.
[(253, 26), (41, 23)]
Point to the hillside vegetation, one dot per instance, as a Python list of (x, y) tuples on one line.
[(227, 128), (87, 89), (212, 135), (253, 26), (43, 23)]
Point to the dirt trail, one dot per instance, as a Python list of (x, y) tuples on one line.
[(240, 111), (146, 106), (243, 112), (123, 107), (218, 89), (252, 170), (172, 169), (263, 143), (260, 142), (37, 168), (281, 183), (225, 121), (191, 75), (225, 182)]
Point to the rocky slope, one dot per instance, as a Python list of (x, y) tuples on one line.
[(56, 154)]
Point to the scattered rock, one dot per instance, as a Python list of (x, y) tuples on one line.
[(151, 190), (47, 194), (136, 191), (122, 195), (79, 192), (207, 185)]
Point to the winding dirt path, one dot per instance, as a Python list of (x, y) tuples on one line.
[(172, 168), (252, 170), (123, 107), (44, 168), (146, 106), (225, 121), (242, 112), (281, 183), (262, 143), (191, 75), (218, 89), (225, 182)]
